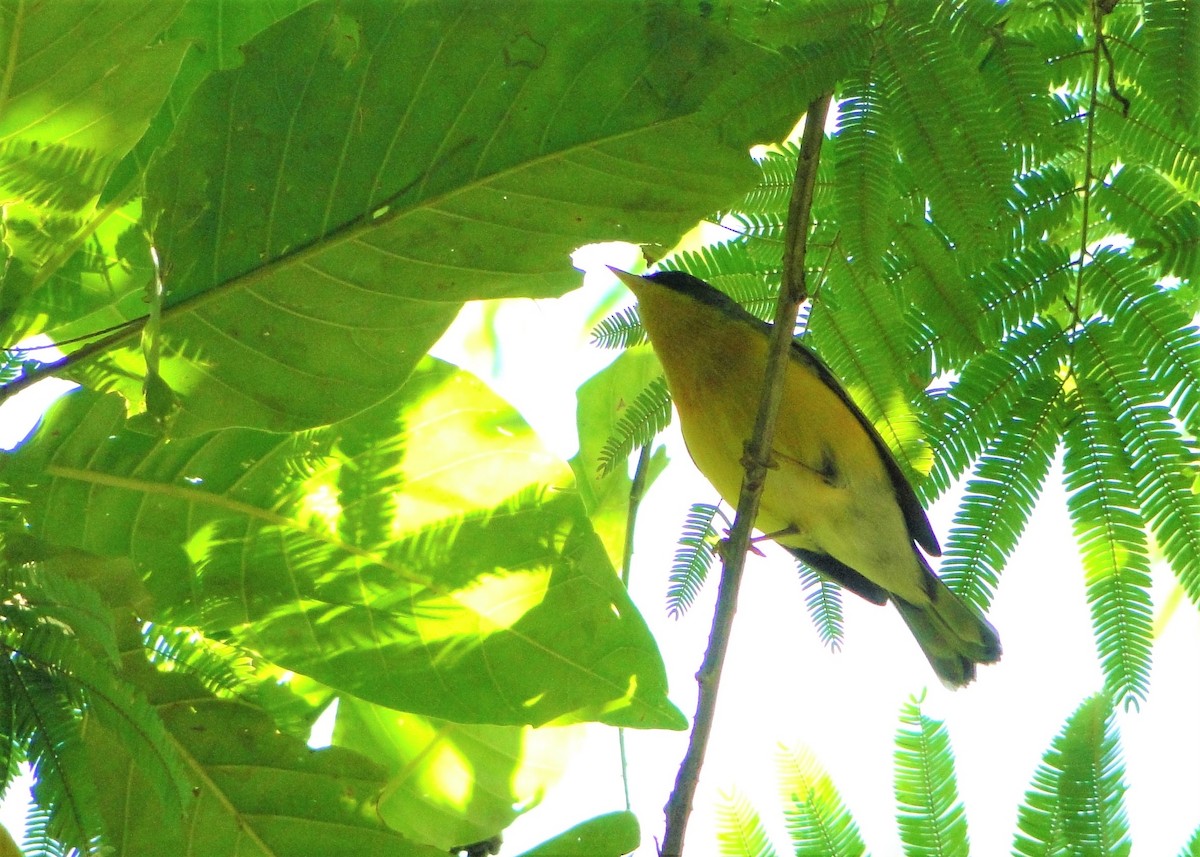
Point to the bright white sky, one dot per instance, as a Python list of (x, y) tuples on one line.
[(1000, 726)]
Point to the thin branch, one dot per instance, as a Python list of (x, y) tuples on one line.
[(756, 461)]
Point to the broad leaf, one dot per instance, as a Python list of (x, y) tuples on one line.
[(605, 401), (427, 555), (82, 81), (608, 835), (255, 790), (323, 209), (453, 782)]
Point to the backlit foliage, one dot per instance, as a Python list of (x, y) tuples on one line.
[(265, 497)]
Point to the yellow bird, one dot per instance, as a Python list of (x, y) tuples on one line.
[(834, 496)]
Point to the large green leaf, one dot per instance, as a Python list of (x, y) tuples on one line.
[(609, 835), (603, 401), (81, 82), (98, 277), (323, 209), (216, 29), (427, 555), (453, 782), (256, 791)]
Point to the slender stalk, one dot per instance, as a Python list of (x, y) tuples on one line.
[(636, 491), (1089, 146), (756, 461)]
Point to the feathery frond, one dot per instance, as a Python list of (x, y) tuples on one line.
[(1001, 495), (823, 598), (933, 285), (978, 405), (740, 830), (818, 823), (945, 124), (12, 364), (47, 726), (694, 559), (108, 698), (764, 228), (1111, 533), (1164, 223), (1015, 291), (863, 159), (861, 331), (622, 329), (1161, 460), (1076, 801), (1156, 328), (1017, 71), (1042, 200), (647, 415), (1192, 848), (182, 650), (931, 817), (774, 188), (39, 841), (1170, 67), (42, 597), (1158, 142), (61, 669), (732, 268)]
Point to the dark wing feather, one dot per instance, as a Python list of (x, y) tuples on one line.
[(842, 574)]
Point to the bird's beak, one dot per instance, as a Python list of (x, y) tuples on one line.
[(632, 281)]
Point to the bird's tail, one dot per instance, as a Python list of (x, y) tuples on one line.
[(952, 632)]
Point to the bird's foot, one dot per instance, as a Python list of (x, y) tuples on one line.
[(722, 547)]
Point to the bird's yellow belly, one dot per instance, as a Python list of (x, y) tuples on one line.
[(825, 492)]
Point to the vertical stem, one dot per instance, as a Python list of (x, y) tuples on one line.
[(1089, 146), (757, 458), (636, 490)]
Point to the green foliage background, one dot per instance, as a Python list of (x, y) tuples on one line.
[(246, 225)]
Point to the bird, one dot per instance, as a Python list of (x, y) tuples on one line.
[(834, 496)]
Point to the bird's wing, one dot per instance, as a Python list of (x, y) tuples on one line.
[(841, 573), (914, 513)]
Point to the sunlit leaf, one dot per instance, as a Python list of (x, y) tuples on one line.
[(452, 603)]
